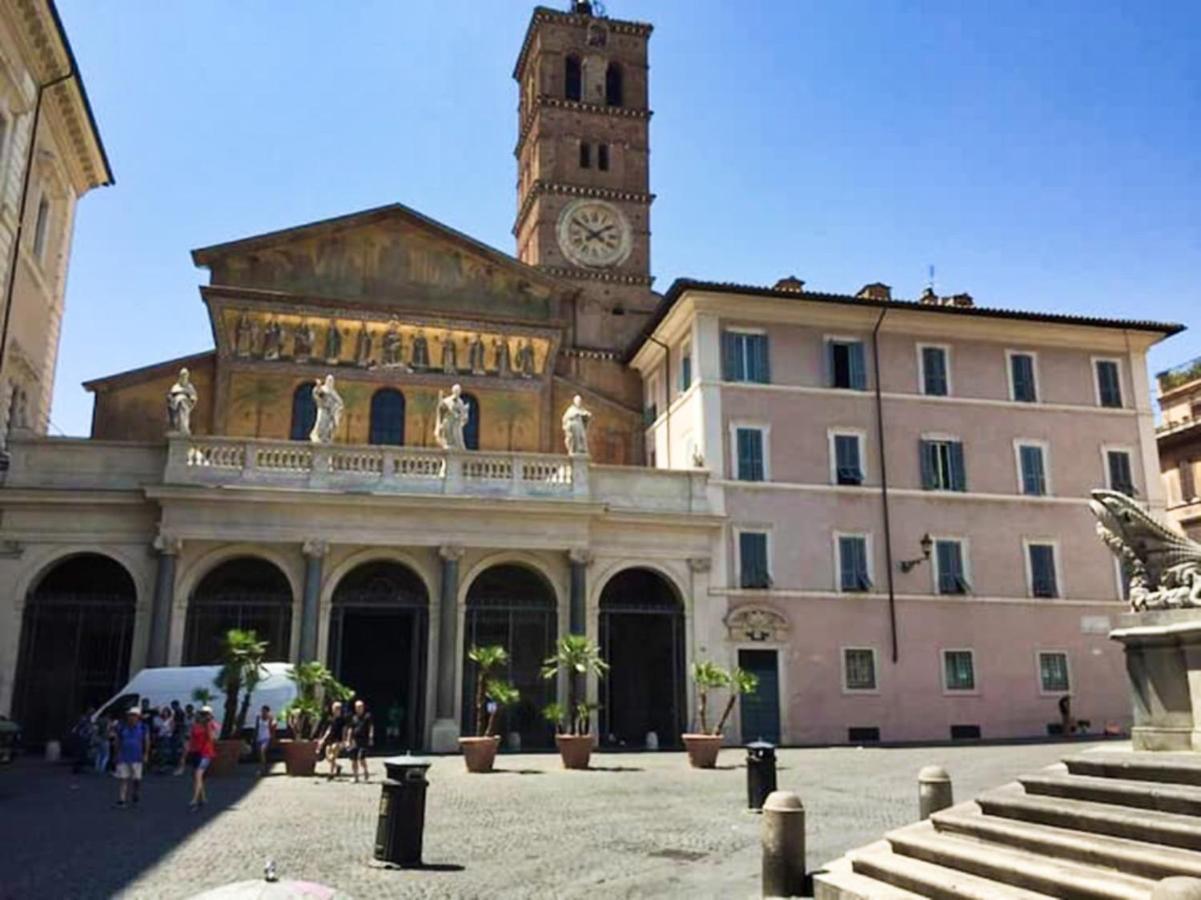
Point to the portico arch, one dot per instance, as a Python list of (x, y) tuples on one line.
[(247, 592)]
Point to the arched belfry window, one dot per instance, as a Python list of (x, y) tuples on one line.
[(388, 417), (573, 78), (613, 86), (471, 432), (304, 412)]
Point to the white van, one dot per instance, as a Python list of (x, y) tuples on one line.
[(161, 686)]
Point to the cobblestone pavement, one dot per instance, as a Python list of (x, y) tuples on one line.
[(637, 825)]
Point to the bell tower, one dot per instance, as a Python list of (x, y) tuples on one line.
[(583, 184)]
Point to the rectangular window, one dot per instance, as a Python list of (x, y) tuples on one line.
[(585, 155), (949, 571), (934, 372), (750, 453), (744, 357), (1109, 383), (853, 573), (943, 467), (959, 670), (1034, 474), (1021, 377), (1120, 478), (848, 469), (602, 157), (41, 227), (685, 367), (1053, 673), (1043, 582), (752, 559), (859, 668), (846, 365)]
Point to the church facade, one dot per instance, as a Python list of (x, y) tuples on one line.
[(734, 502)]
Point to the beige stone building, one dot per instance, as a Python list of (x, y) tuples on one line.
[(41, 94), (1179, 439)]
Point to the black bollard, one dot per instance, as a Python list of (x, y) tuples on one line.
[(760, 773), (401, 827)]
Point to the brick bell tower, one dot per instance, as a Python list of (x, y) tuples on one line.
[(583, 184)]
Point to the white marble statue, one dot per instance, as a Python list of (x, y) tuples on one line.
[(452, 419), (181, 400), (575, 427), (329, 411)]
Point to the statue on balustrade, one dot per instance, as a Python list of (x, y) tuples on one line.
[(1163, 566), (526, 364), (475, 357), (453, 413), (362, 347), (329, 411), (503, 367), (392, 346), (302, 342), (575, 427), (420, 360), (333, 343), (450, 355), (181, 400), (243, 336), (273, 339)]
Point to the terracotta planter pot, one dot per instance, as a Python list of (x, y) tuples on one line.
[(575, 750), (702, 749), (226, 760), (300, 757), (479, 752)]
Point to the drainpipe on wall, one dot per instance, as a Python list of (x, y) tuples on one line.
[(666, 392), (892, 596)]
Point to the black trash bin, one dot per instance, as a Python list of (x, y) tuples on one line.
[(401, 827), (760, 772)]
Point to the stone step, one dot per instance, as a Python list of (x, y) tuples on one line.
[(1170, 829), (1012, 867), (1172, 798), (1170, 768), (1121, 854), (879, 862), (839, 881)]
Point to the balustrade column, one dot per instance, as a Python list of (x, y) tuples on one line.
[(445, 733), (168, 549), (314, 560)]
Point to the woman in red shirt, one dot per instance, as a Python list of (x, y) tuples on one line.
[(199, 752)]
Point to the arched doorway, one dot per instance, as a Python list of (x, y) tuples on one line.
[(246, 592), (471, 430), (513, 606), (378, 630), (76, 635), (642, 639)]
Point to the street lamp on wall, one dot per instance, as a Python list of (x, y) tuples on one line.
[(927, 542)]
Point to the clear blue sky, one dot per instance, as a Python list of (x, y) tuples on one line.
[(1040, 155)]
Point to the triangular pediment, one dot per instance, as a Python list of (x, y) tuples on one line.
[(391, 257)]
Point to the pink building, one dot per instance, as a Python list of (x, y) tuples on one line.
[(908, 553)]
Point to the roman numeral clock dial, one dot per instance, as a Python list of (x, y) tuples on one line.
[(594, 233)]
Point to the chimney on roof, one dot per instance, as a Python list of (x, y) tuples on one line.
[(792, 284), (962, 300), (877, 290), (929, 298)]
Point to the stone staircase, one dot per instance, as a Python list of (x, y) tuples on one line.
[(1098, 825)]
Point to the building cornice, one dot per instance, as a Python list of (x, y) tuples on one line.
[(540, 187), (578, 106), (607, 277)]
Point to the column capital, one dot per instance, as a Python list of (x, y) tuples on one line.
[(167, 544), (451, 552), (700, 564), (581, 556), (314, 548)]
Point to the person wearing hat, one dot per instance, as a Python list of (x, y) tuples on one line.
[(133, 749), (199, 752)]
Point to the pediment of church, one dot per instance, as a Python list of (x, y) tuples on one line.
[(392, 258)]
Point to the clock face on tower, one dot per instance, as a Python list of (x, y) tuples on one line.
[(594, 233)]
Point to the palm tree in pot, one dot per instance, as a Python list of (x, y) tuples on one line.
[(491, 694), (241, 670), (703, 746), (577, 657), (315, 684)]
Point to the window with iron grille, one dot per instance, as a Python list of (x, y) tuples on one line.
[(859, 664), (1053, 672), (959, 670)]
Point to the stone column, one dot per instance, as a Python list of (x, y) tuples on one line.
[(168, 548), (444, 736), (314, 558), (580, 559)]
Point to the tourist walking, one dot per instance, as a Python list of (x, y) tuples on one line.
[(199, 753), (133, 750), (333, 738), (362, 737), (264, 734), (164, 736)]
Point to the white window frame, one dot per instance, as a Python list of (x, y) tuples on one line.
[(1116, 360), (765, 429), (1038, 672), (845, 339), (921, 369), (944, 437), (1018, 444), (868, 549), (686, 353), (974, 690), (753, 529), (842, 666), (965, 555), (1119, 448), (1038, 387), (652, 395), (858, 433), (1053, 543), (740, 329)]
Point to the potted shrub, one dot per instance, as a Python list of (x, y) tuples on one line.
[(479, 751), (577, 657), (241, 669), (314, 684), (704, 746)]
